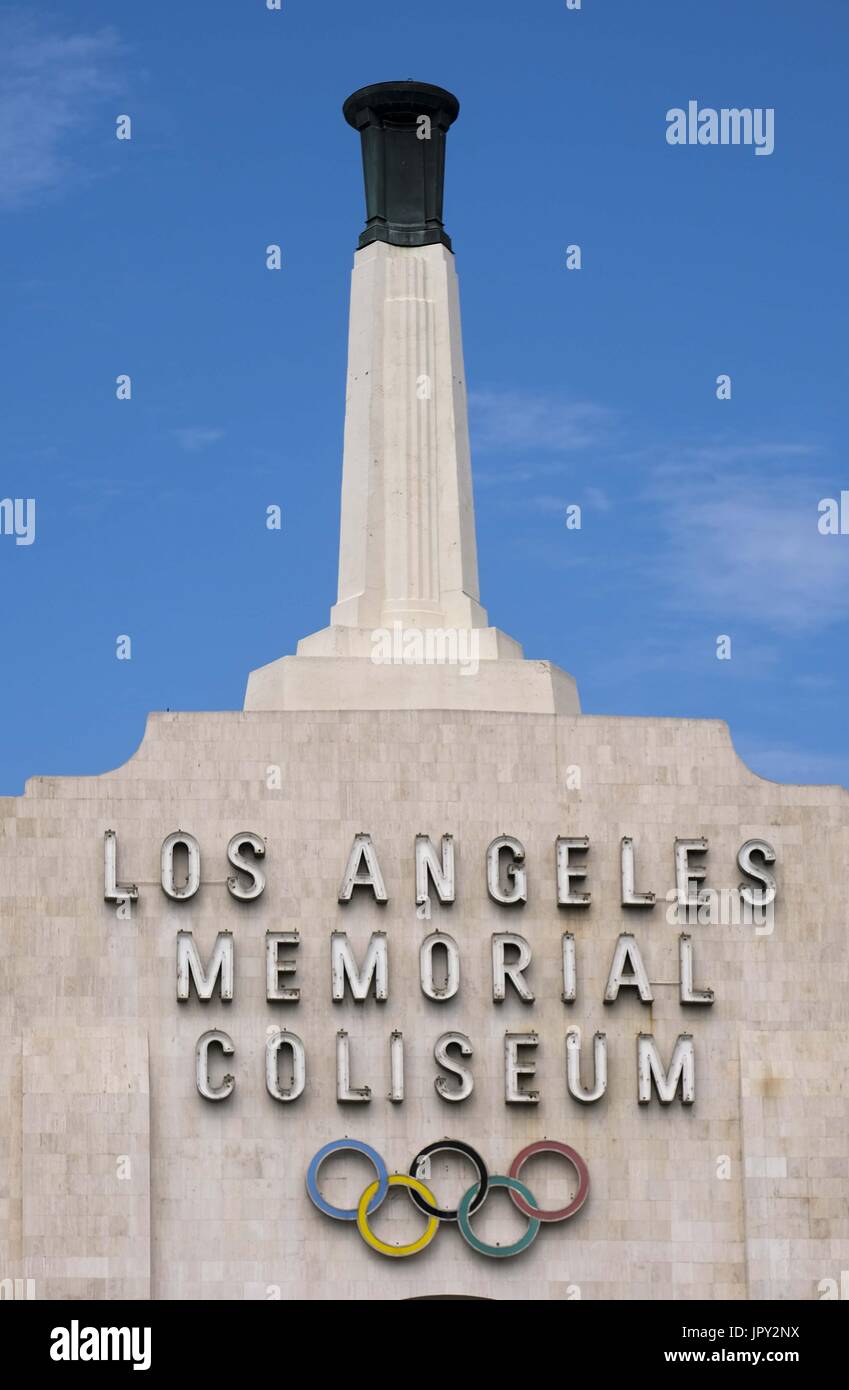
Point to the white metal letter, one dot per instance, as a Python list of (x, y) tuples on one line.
[(451, 984), (275, 992), (629, 897), (113, 891), (586, 1094), (396, 1067), (205, 1086), (688, 995), (278, 1039), (686, 874), (627, 955), (192, 883), (190, 967), (516, 890), (514, 1069), (247, 866), (343, 965), (344, 1091), (502, 969), (566, 871), (440, 1052), (429, 868), (570, 969), (757, 897), (362, 851), (682, 1068)]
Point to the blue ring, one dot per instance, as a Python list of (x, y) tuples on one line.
[(336, 1146)]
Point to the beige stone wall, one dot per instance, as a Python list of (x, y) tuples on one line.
[(98, 1056)]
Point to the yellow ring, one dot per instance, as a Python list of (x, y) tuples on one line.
[(397, 1180)]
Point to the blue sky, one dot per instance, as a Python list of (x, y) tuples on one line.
[(594, 387)]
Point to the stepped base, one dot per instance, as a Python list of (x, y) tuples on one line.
[(358, 683), (403, 643)]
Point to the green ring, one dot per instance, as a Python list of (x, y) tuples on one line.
[(498, 1252)]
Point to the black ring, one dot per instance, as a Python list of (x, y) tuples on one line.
[(450, 1146)]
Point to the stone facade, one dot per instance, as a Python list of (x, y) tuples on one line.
[(120, 1180)]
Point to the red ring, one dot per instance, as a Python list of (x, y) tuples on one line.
[(551, 1146)]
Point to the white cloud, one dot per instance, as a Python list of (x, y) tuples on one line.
[(196, 437), (740, 524), (591, 497), (724, 453), (542, 502), (597, 498), (816, 683), (502, 421), (50, 84)]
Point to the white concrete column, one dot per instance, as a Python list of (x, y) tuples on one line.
[(407, 630), (407, 542)]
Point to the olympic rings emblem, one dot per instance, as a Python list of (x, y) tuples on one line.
[(470, 1203)]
